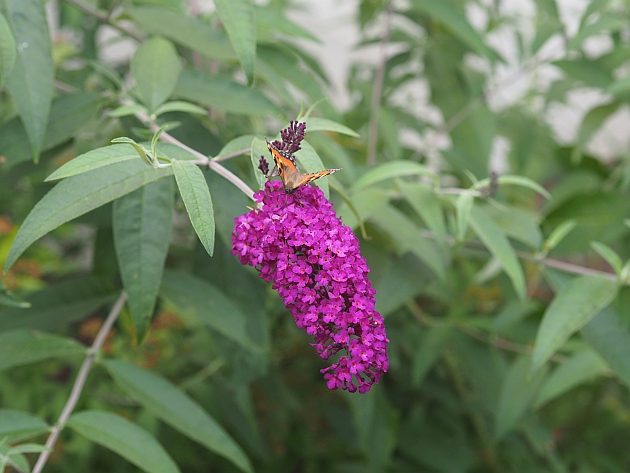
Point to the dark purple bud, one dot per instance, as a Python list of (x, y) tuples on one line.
[(263, 166), (291, 137)]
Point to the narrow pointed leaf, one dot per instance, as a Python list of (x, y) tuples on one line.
[(18, 423), (572, 308), (196, 196), (324, 124), (176, 408), (238, 19), (449, 15), (517, 395), (31, 79), (199, 302), (155, 68), (21, 347), (582, 367), (610, 338), (78, 195), (390, 170), (125, 438), (142, 222), (7, 49), (495, 240), (94, 159)]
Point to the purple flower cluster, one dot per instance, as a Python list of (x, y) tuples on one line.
[(291, 136), (297, 242)]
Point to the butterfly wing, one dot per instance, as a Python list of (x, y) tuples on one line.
[(304, 179), (284, 162), (291, 177)]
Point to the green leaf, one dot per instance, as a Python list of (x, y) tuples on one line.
[(592, 121), (258, 149), (374, 421), (610, 338), (176, 408), (519, 223), (142, 222), (31, 80), (271, 21), (20, 424), (408, 238), (517, 395), (311, 162), (58, 304), (427, 205), (7, 49), (323, 124), (463, 208), (155, 68), (180, 106), (609, 256), (586, 71), (196, 196), (237, 17), (455, 21), (428, 351), (78, 195), (21, 347), (69, 113), (189, 32), (516, 181), (124, 438), (201, 303), (126, 110), (580, 368), (222, 93), (558, 234), (572, 308), (94, 159), (606, 22), (390, 170), (496, 241)]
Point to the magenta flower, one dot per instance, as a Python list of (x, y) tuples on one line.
[(297, 242)]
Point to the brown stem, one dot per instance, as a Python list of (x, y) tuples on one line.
[(79, 382)]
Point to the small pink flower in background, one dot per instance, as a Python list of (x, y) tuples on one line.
[(297, 242)]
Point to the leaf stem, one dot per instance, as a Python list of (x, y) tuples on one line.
[(79, 382), (549, 262), (104, 17), (202, 159)]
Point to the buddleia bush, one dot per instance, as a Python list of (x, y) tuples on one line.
[(184, 289)]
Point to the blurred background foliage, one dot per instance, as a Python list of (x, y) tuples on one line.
[(498, 250)]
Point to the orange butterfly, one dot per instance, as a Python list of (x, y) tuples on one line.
[(291, 176)]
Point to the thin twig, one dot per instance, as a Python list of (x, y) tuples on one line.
[(104, 17), (234, 154), (79, 382), (202, 159), (377, 92), (549, 262)]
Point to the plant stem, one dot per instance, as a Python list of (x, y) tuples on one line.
[(202, 159), (549, 262), (377, 92), (79, 382), (104, 17), (231, 155)]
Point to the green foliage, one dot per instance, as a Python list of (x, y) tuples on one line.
[(498, 249)]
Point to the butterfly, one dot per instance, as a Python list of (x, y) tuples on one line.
[(291, 176)]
